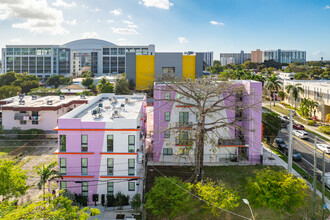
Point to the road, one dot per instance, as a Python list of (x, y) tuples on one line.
[(306, 149)]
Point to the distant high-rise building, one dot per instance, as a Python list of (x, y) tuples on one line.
[(285, 56), (207, 57), (238, 58), (225, 61), (257, 56)]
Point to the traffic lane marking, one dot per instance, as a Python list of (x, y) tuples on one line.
[(308, 145)]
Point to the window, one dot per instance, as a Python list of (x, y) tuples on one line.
[(167, 95), (167, 151), (84, 189), (131, 167), (63, 185), (167, 134), (35, 122), (110, 167), (110, 188), (105, 51), (131, 186), (63, 166), (84, 166), (22, 122), (84, 143), (63, 143), (131, 143), (121, 51), (167, 116), (168, 69), (197, 116), (183, 118), (110, 143)]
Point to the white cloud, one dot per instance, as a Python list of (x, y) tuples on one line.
[(163, 4), (182, 40), (72, 22), (327, 7), (84, 6), (129, 17), (217, 23), (116, 12), (17, 40), (61, 3), (98, 20), (130, 24), (95, 10), (109, 21), (34, 15), (123, 41), (125, 31), (90, 35)]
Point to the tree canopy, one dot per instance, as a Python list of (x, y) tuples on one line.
[(57, 80), (277, 190), (12, 180), (122, 87), (105, 86), (43, 91), (271, 126)]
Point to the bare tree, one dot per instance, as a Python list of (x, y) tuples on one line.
[(219, 105)]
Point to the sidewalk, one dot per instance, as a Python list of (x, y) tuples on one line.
[(111, 213), (306, 126), (279, 162)]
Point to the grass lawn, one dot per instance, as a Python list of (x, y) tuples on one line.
[(235, 177)]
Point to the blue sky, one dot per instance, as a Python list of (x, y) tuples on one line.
[(173, 25)]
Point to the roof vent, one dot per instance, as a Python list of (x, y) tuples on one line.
[(21, 96), (96, 113), (49, 102), (115, 114), (34, 97), (100, 105), (21, 102), (128, 100), (113, 100), (62, 97), (82, 96)]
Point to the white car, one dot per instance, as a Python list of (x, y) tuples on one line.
[(300, 134), (323, 147)]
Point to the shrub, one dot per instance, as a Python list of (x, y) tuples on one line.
[(136, 202), (121, 200), (324, 129), (30, 134), (281, 102), (311, 122)]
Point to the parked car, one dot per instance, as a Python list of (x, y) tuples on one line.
[(296, 156), (284, 123), (300, 134), (324, 147), (298, 127), (279, 143)]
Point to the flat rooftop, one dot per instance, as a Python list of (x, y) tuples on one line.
[(107, 107), (42, 101)]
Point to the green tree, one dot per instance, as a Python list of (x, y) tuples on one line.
[(12, 180), (86, 92), (216, 62), (271, 126), (277, 190), (56, 80), (136, 202), (87, 74), (43, 91), (168, 198), (105, 86), (300, 76), (215, 69), (282, 95), (217, 194), (122, 87), (304, 106), (28, 85), (294, 90), (9, 91), (313, 105), (87, 82), (8, 78), (249, 65), (46, 174), (55, 207), (273, 84)]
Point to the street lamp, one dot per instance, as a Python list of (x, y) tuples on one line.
[(247, 202)]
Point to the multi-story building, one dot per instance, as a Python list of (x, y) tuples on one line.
[(257, 56), (176, 146), (34, 112), (101, 146), (75, 57), (317, 90), (227, 60), (238, 58), (285, 56), (39, 60), (207, 57), (143, 70)]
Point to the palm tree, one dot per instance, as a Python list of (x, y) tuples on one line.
[(282, 95), (103, 82), (294, 90), (46, 174), (272, 85), (304, 106), (312, 105)]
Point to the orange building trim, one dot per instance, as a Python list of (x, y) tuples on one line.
[(120, 177), (101, 129), (78, 176), (73, 152), (184, 106), (118, 153)]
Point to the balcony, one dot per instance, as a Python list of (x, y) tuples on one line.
[(183, 142), (238, 142), (183, 124)]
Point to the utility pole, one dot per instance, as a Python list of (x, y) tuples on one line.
[(314, 180), (323, 183), (290, 145)]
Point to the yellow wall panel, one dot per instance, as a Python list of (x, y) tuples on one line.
[(188, 67), (145, 71)]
